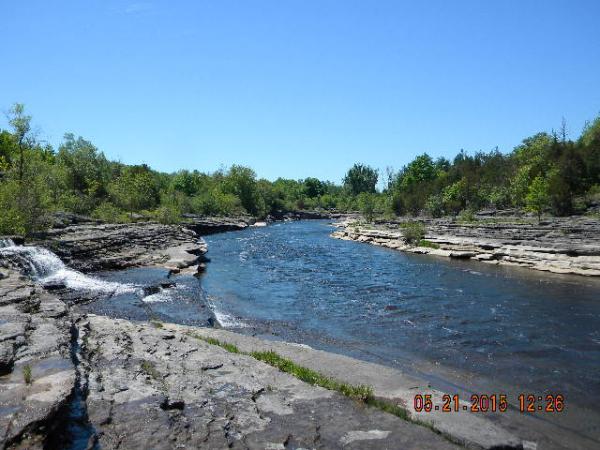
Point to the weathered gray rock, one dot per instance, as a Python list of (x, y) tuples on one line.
[(36, 372), (203, 225), (92, 247), (162, 388), (561, 245)]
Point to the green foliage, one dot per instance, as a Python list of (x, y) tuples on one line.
[(167, 214), (538, 198), (134, 189), (428, 244), (107, 212), (366, 203), (413, 232), (27, 376), (36, 181), (360, 178), (359, 392), (466, 216), (149, 369)]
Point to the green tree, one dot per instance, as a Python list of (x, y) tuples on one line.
[(313, 187), (361, 178), (537, 198), (135, 189), (241, 181), (366, 203), (21, 124)]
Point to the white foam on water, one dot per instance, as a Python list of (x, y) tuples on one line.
[(224, 319), (45, 267), (161, 296), (6, 243)]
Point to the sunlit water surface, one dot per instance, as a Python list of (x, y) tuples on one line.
[(498, 327)]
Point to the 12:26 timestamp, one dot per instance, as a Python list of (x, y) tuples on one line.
[(528, 403)]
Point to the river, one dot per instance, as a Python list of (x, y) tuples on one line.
[(470, 324)]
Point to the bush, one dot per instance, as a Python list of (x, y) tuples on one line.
[(167, 215), (428, 244), (107, 212), (467, 216), (413, 232)]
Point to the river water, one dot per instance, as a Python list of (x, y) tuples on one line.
[(481, 326), (466, 327)]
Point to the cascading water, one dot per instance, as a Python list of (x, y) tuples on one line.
[(47, 268), (6, 243)]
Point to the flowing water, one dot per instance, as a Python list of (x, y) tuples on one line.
[(464, 326), (499, 328)]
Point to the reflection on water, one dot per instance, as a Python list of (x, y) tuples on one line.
[(511, 326)]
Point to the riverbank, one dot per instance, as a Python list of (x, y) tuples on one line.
[(71, 380), (559, 245), (111, 376)]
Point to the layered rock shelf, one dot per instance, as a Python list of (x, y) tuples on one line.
[(564, 246), (94, 247)]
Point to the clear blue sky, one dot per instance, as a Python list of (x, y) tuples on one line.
[(299, 88)]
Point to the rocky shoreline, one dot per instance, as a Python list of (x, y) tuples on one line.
[(154, 385), (74, 380), (560, 245)]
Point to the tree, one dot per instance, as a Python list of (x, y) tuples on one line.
[(537, 198), (87, 173), (135, 189), (21, 124), (366, 203), (417, 171), (361, 178), (241, 181), (314, 187)]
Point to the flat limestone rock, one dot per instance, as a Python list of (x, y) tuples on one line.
[(163, 388), (37, 374), (564, 245), (94, 247)]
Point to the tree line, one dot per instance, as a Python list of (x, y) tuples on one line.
[(546, 172)]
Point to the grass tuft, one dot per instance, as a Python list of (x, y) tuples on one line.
[(156, 323), (27, 377), (212, 341), (310, 376), (428, 244), (149, 369)]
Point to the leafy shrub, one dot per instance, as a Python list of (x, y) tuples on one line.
[(167, 215), (428, 244), (107, 212), (413, 232), (466, 216)]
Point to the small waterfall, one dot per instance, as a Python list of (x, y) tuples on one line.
[(47, 268), (6, 243)]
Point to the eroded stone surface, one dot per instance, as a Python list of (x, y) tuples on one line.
[(162, 388), (560, 245), (93, 247), (34, 338)]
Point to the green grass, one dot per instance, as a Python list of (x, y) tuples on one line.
[(149, 369), (359, 392), (428, 244), (156, 323), (27, 377), (212, 341)]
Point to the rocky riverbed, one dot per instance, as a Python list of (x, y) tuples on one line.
[(560, 245), (74, 380)]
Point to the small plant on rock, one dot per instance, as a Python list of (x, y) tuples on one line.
[(27, 377), (413, 232)]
